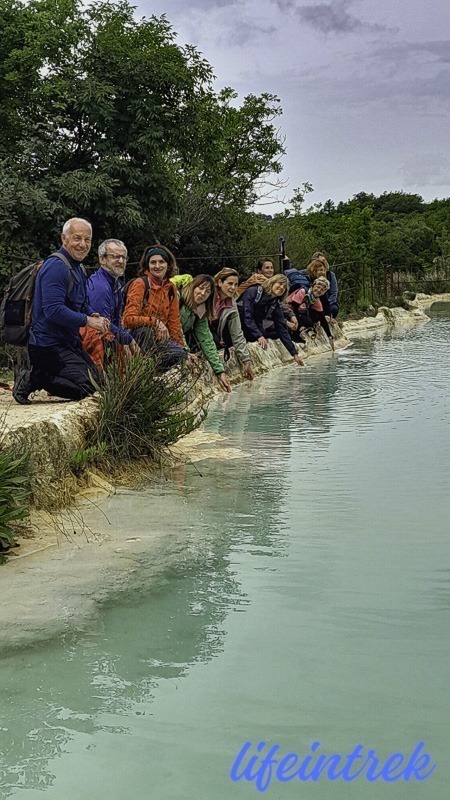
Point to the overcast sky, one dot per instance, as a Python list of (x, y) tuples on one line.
[(364, 84)]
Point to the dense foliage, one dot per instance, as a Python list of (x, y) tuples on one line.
[(103, 115), (367, 238)]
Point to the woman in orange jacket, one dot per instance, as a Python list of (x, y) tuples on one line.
[(151, 308)]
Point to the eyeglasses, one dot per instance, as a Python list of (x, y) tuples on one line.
[(116, 258)]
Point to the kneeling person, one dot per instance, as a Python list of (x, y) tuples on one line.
[(58, 362)]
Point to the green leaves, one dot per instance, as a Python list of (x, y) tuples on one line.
[(140, 411), (13, 495), (103, 115)]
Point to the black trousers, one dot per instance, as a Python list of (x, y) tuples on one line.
[(319, 316), (63, 371), (167, 354)]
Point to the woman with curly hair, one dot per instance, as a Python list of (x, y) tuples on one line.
[(304, 278)]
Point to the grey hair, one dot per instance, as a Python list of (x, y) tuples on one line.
[(323, 282), (67, 225), (102, 247)]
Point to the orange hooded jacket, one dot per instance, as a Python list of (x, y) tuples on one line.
[(162, 305)]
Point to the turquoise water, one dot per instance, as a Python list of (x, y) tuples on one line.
[(307, 598)]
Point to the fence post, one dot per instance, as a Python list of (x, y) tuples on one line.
[(282, 254)]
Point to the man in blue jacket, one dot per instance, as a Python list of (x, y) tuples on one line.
[(104, 290), (58, 363)]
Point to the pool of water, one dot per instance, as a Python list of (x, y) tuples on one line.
[(306, 598)]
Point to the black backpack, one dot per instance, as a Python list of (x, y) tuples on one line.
[(17, 303), (125, 288)]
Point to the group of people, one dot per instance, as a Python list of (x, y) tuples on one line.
[(78, 323)]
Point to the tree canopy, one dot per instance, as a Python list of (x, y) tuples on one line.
[(105, 116)]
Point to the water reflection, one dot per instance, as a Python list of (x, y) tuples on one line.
[(83, 686), (345, 639)]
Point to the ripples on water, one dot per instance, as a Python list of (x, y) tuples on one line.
[(307, 598)]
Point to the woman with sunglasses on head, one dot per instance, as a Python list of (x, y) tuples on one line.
[(152, 311), (197, 298), (226, 325)]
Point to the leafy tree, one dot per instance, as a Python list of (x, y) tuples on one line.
[(106, 117)]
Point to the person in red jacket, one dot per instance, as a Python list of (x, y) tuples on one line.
[(152, 312)]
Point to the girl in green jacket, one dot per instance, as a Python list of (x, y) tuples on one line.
[(196, 309)]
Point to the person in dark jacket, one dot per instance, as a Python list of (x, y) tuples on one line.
[(307, 306), (260, 309), (58, 363), (104, 290)]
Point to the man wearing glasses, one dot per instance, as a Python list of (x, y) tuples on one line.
[(60, 308), (105, 297)]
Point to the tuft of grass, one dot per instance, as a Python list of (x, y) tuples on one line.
[(13, 496), (141, 411), (85, 457)]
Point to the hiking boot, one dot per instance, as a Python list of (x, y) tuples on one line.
[(22, 387)]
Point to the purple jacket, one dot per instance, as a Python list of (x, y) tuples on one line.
[(105, 297)]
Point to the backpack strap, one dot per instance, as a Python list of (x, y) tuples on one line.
[(69, 266), (148, 287)]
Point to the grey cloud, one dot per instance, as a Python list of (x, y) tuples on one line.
[(207, 4), (333, 17), (424, 95), (439, 50), (241, 31), (427, 169)]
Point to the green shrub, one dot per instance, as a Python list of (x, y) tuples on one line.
[(141, 412), (13, 497), (89, 455)]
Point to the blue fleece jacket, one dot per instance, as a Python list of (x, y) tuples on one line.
[(57, 313), (105, 297)]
